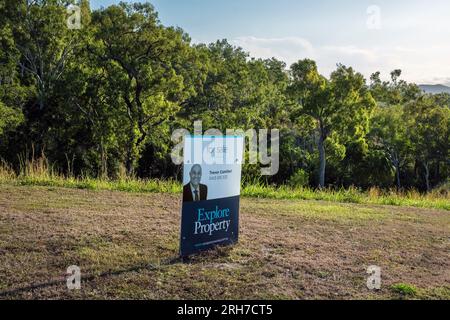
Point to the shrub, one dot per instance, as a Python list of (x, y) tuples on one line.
[(404, 289), (299, 179), (6, 172)]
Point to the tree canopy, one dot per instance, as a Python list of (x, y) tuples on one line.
[(105, 99)]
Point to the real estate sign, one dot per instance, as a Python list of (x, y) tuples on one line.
[(211, 192)]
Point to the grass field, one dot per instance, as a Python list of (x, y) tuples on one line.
[(437, 199), (126, 245)]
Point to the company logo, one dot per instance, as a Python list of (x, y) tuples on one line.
[(217, 150)]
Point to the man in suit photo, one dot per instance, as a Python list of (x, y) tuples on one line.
[(194, 190)]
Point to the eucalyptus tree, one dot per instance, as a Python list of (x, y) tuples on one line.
[(429, 133), (341, 107), (389, 132), (152, 68), (44, 42)]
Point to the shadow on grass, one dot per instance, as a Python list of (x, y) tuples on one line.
[(88, 278), (203, 257)]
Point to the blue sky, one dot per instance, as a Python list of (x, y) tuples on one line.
[(368, 35)]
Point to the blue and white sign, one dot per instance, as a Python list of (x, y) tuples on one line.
[(211, 192)]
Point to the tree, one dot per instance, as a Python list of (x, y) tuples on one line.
[(10, 118), (152, 67), (429, 133), (393, 92), (340, 106), (389, 132), (44, 42), (226, 95), (13, 94), (393, 124), (109, 95)]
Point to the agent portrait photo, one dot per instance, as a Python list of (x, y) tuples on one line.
[(194, 190)]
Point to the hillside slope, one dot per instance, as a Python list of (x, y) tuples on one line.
[(434, 89)]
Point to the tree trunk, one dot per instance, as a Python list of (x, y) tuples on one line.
[(322, 160), (103, 161), (397, 174), (130, 154), (427, 176), (129, 163), (438, 171)]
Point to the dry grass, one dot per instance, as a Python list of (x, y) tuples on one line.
[(6, 172), (126, 245)]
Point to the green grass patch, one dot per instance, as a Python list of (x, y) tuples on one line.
[(437, 200), (404, 289), (351, 195), (318, 211)]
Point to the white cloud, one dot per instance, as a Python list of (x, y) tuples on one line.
[(420, 64), (363, 60), (351, 51), (288, 49)]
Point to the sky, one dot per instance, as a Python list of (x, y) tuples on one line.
[(368, 35)]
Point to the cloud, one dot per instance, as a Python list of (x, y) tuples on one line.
[(420, 64), (363, 60), (288, 49), (351, 51)]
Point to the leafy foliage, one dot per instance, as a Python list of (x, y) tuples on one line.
[(102, 102)]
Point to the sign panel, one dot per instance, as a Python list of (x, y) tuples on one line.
[(211, 192)]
